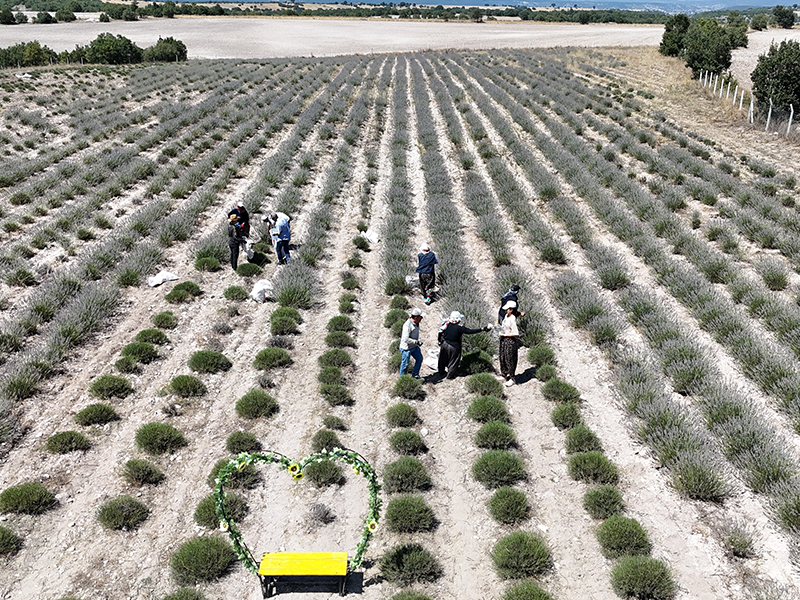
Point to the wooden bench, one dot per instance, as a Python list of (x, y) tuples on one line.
[(298, 564)]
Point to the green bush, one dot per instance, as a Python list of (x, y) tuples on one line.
[(246, 477), (361, 243), (495, 435), (159, 438), (409, 388), (127, 365), (185, 593), (271, 358), (331, 376), (165, 320), (485, 384), (621, 536), (351, 283), (520, 555), (10, 543), (235, 293), (526, 590), (140, 472), (324, 473), (242, 441), (205, 514), (560, 391), (592, 467), (407, 441), (202, 559), (152, 336), (409, 514), (546, 373), (497, 468), (335, 357), (176, 296), (603, 501), (541, 355), (140, 352), (336, 395), (110, 386), (408, 564), (123, 512), (340, 339), (96, 414), (282, 326), (410, 595), (248, 270), (401, 302), (256, 404), (325, 439), (287, 312), (402, 415), (509, 506), (567, 415), (488, 408), (67, 441), (209, 361), (187, 386), (340, 323), (738, 537), (406, 474), (26, 498), (207, 263), (333, 422), (642, 577), (477, 361), (582, 439), (394, 316)]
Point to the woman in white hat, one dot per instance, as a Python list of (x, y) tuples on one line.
[(450, 336), (509, 342), (427, 271)]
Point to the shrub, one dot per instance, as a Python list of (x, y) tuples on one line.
[(509, 506), (202, 559), (409, 514), (407, 441), (152, 336), (408, 564), (205, 514), (208, 264), (521, 554), (396, 315), (497, 468), (122, 512), (406, 474), (477, 361), (331, 375), (235, 293), (566, 415), (546, 373), (187, 386), (351, 283), (488, 408), (333, 422), (26, 498), (282, 326), (10, 543), (142, 352), (176, 296), (592, 467), (165, 320), (242, 441), (603, 501), (246, 477), (336, 395), (621, 536), (642, 577), (96, 414), (183, 593), (324, 473), (325, 439), (340, 323), (409, 388), (560, 391), (738, 538), (400, 302), (402, 415), (67, 441), (256, 404), (335, 357), (271, 358), (248, 270), (209, 361), (527, 590), (110, 386), (141, 472), (340, 339), (495, 435), (410, 595), (541, 355), (159, 438), (485, 384), (361, 243), (582, 439)]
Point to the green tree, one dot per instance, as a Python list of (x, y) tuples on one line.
[(736, 28), (104, 18), (21, 17), (168, 10), (6, 16), (476, 15), (706, 47), (674, 31), (777, 74), (111, 50), (45, 18), (784, 16), (166, 50), (64, 15), (759, 22)]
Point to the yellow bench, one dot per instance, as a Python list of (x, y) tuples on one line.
[(297, 564)]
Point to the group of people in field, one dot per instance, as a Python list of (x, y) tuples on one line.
[(452, 331), (239, 234)]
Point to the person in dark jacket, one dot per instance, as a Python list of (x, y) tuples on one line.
[(234, 239), (510, 296), (450, 336), (243, 218), (427, 271)]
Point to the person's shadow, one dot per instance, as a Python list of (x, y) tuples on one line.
[(527, 375)]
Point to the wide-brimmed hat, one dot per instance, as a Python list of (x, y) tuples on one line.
[(509, 304), (455, 317)]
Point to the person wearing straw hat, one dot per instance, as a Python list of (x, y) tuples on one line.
[(410, 343), (427, 271), (509, 342), (450, 337)]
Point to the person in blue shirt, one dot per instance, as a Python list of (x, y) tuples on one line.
[(281, 235), (427, 271)]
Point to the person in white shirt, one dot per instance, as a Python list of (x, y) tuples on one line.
[(410, 343), (509, 342)]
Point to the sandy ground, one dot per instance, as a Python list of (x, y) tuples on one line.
[(272, 38)]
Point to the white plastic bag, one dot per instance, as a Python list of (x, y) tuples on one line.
[(262, 290), (160, 278), (432, 359), (372, 236)]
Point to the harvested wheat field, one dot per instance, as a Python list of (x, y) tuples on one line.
[(649, 448)]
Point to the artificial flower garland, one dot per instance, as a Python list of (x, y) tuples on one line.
[(359, 465)]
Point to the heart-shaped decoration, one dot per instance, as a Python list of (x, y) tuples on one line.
[(359, 465)]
